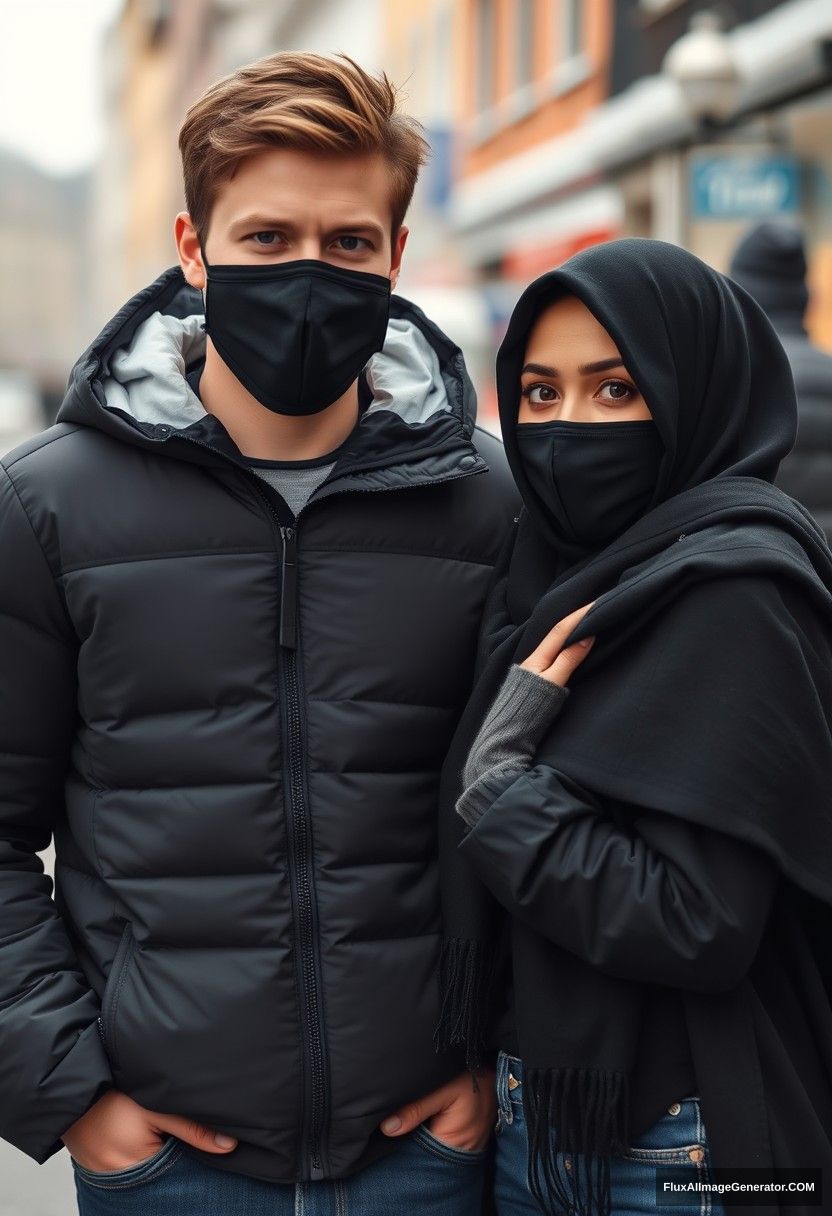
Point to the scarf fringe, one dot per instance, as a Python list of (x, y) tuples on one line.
[(466, 975), (581, 1113)]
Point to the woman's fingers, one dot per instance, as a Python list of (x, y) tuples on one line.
[(567, 662), (545, 654)]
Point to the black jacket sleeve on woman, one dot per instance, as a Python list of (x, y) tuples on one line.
[(661, 901)]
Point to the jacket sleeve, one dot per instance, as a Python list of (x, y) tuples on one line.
[(52, 1063), (665, 902)]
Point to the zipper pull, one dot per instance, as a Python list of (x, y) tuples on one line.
[(288, 587)]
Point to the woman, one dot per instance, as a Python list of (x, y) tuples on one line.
[(644, 858)]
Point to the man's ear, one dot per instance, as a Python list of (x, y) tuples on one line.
[(187, 247), (398, 250)]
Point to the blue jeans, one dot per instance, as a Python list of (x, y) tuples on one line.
[(422, 1175), (677, 1139)]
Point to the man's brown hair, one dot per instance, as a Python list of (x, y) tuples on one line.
[(305, 101)]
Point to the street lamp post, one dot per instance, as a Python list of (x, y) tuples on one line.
[(703, 65)]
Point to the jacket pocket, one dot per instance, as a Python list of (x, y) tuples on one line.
[(108, 1019)]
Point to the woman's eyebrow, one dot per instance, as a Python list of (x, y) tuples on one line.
[(586, 369), (539, 369), (603, 365)]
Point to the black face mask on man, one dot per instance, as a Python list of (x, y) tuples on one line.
[(295, 334), (594, 478)]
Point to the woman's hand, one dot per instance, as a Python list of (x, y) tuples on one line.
[(550, 660), (461, 1113)]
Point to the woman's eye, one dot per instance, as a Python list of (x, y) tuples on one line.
[(351, 244), (540, 394), (618, 390)]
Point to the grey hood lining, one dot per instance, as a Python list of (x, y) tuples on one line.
[(146, 377)]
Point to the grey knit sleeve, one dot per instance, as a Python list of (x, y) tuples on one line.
[(523, 709)]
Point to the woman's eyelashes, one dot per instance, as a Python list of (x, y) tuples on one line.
[(539, 394), (347, 242), (619, 390), (610, 393)]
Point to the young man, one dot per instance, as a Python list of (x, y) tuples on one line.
[(245, 570)]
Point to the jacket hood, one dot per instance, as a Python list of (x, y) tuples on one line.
[(131, 382), (770, 263)]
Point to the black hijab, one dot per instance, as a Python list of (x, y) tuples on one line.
[(719, 388)]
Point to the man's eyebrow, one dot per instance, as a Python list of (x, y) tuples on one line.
[(586, 369), (360, 225), (262, 221), (257, 220)]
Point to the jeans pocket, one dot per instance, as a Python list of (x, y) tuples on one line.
[(677, 1138), (132, 1175), (449, 1152), (509, 1091)]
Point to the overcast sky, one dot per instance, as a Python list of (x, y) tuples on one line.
[(49, 78)]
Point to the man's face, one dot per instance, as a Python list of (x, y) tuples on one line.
[(284, 204)]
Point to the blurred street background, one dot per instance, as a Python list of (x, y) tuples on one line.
[(555, 124)]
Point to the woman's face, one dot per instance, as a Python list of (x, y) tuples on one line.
[(573, 371)]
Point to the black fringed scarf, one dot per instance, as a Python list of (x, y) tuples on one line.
[(651, 720)]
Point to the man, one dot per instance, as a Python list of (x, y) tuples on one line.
[(770, 263), (248, 564)]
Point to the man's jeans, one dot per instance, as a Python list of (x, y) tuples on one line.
[(422, 1175), (677, 1139)]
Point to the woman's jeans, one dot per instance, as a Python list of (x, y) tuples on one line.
[(677, 1139), (422, 1175)]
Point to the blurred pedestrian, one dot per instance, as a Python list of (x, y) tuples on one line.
[(770, 263)]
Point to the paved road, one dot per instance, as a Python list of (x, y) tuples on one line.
[(29, 1189)]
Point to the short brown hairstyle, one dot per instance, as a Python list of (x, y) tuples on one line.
[(305, 101)]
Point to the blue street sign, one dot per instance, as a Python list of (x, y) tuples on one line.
[(744, 187)]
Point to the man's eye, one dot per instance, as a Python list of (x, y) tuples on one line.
[(271, 238), (351, 244)]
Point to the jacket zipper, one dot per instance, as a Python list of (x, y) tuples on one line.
[(300, 837), (121, 959), (300, 827), (300, 840)]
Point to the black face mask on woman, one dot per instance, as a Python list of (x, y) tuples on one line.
[(295, 334), (593, 478)]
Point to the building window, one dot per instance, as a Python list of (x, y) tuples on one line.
[(572, 28), (524, 37), (484, 57)]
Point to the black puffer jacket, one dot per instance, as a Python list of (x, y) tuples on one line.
[(234, 727), (806, 473)]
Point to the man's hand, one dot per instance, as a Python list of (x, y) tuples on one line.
[(461, 1113), (550, 660), (116, 1133)]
